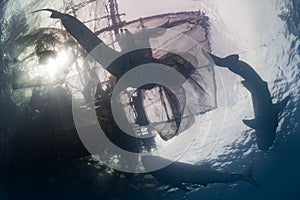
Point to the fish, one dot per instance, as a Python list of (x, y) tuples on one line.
[(178, 173), (266, 113)]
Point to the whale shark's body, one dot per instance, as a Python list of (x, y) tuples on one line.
[(178, 173), (266, 113)]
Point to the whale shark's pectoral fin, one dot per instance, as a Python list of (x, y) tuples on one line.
[(278, 107), (246, 84), (251, 123)]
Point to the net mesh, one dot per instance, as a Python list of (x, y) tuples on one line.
[(38, 46)]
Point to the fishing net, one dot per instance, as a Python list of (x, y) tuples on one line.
[(159, 107), (45, 65)]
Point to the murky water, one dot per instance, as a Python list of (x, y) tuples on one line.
[(266, 35)]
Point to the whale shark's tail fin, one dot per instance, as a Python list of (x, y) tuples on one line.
[(231, 59), (55, 14), (225, 62), (248, 175)]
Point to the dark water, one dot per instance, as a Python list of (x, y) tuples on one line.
[(276, 170)]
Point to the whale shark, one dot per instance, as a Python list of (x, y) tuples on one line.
[(266, 113), (179, 173)]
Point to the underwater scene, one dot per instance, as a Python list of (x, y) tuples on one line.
[(140, 99)]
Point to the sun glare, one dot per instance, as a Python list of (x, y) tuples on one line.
[(52, 70), (56, 65)]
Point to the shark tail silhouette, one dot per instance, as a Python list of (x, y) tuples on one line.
[(231, 59), (55, 14), (225, 62), (248, 174)]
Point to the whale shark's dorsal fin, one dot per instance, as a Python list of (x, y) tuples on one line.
[(251, 123), (278, 107)]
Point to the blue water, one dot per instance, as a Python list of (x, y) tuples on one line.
[(273, 48)]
